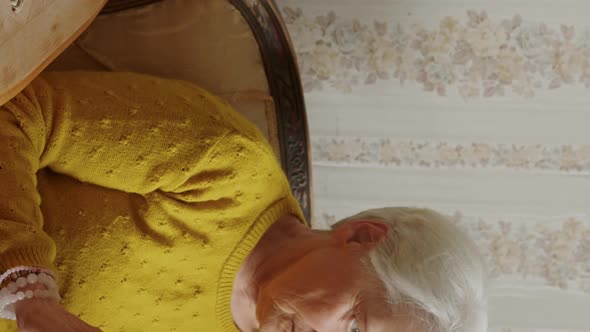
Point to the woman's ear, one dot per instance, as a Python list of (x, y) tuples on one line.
[(367, 233)]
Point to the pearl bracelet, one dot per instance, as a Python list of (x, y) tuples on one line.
[(22, 271), (11, 294)]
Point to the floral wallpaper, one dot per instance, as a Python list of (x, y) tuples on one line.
[(477, 62), (387, 152), (474, 56)]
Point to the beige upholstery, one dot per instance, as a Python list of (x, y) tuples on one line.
[(207, 42), (32, 33)]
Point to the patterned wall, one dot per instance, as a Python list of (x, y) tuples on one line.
[(478, 109)]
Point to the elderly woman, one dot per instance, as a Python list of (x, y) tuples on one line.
[(221, 245)]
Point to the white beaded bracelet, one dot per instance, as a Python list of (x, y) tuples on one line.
[(11, 294)]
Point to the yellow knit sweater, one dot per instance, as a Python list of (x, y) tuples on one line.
[(205, 187)]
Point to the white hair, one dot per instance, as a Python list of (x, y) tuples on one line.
[(430, 264)]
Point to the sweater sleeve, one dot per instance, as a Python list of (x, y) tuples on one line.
[(165, 140)]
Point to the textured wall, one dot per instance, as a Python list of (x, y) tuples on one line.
[(479, 109)]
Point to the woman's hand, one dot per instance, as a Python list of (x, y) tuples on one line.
[(45, 315)]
